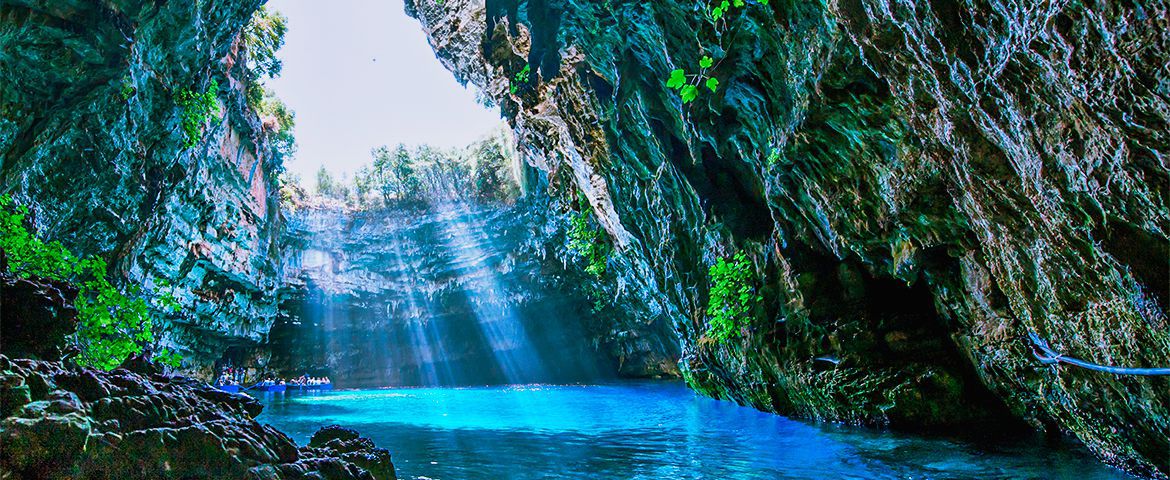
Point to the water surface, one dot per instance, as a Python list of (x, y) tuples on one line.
[(644, 430)]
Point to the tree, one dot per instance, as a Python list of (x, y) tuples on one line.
[(393, 173), (492, 170), (326, 185), (261, 39), (280, 120), (362, 184)]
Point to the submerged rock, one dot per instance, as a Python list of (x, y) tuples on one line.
[(61, 422), (917, 185)]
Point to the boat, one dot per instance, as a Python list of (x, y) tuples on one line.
[(269, 388), (323, 386), (229, 388)]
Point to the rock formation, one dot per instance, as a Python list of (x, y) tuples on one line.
[(412, 295), (90, 140), (918, 186), (59, 422)]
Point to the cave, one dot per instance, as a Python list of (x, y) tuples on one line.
[(504, 239)]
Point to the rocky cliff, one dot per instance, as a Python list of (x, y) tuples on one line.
[(61, 421), (917, 186), (90, 139), (448, 293)]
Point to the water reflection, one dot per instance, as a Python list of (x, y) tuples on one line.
[(645, 430)]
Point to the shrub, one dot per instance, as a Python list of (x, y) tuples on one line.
[(588, 242), (521, 79), (733, 297), (111, 325), (197, 109)]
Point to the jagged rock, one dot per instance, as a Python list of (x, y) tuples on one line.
[(61, 422), (35, 316), (90, 141), (918, 184)]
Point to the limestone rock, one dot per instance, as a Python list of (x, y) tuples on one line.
[(61, 422), (918, 185)]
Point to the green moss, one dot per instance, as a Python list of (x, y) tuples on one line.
[(111, 324)]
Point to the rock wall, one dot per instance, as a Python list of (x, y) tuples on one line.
[(447, 293), (918, 185), (90, 140)]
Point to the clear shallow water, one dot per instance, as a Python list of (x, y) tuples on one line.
[(644, 430)]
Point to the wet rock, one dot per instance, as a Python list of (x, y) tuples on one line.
[(156, 427), (919, 185), (90, 141), (35, 316), (399, 295)]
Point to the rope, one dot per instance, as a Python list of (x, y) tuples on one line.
[(1046, 355)]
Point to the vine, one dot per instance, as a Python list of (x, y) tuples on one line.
[(590, 243), (734, 295), (689, 85)]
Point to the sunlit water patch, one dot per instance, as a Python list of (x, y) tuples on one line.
[(645, 430)]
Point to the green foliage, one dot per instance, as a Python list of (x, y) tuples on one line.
[(480, 171), (393, 174), (111, 324), (281, 121), (261, 39), (128, 90), (588, 242), (197, 109), (774, 157), (326, 185), (688, 84), (521, 78), (733, 297)]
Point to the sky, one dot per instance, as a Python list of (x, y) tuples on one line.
[(360, 74)]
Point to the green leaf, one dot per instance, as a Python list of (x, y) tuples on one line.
[(678, 78), (689, 93), (706, 62), (713, 83), (717, 13)]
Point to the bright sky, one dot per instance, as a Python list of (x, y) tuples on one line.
[(359, 74)]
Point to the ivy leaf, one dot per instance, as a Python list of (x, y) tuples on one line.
[(678, 78), (689, 93), (717, 13), (738, 3), (725, 5), (763, 2), (706, 62), (713, 83)]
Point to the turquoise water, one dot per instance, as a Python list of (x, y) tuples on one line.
[(644, 430)]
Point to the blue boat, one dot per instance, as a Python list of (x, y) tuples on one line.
[(323, 386), (229, 388), (269, 388)]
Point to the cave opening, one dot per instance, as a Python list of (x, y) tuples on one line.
[(405, 202)]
